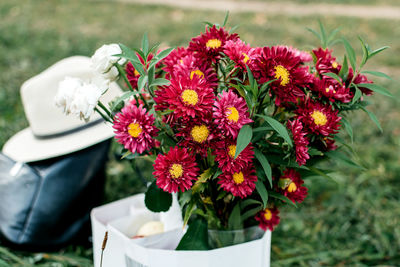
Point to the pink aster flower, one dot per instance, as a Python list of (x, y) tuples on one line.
[(134, 128), (240, 53), (290, 185), (303, 55), (300, 141), (225, 156), (240, 183), (332, 89), (230, 113), (325, 62), (268, 218), (176, 170)]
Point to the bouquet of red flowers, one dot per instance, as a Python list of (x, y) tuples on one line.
[(232, 129)]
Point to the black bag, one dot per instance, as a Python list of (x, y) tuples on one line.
[(46, 204)]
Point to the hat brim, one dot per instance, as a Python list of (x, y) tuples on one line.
[(25, 147)]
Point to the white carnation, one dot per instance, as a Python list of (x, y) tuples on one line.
[(66, 93), (103, 61), (85, 100)]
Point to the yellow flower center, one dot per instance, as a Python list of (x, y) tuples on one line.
[(134, 129), (282, 73), (292, 187), (233, 115), (267, 214), (327, 89), (198, 73), (213, 43), (190, 97), (334, 64), (238, 177), (136, 73), (176, 170), (200, 133), (232, 151), (319, 118), (246, 58)]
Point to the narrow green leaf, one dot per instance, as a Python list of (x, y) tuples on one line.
[(375, 52), (373, 118), (262, 191), (121, 99), (234, 221), (154, 48), (365, 52), (376, 88), (189, 210), (160, 56), (262, 129), (251, 77), (331, 36), (216, 174), (350, 53), (145, 45), (315, 33), (265, 165), (150, 75), (278, 127), (334, 76), (226, 18), (196, 237), (357, 94), (323, 35), (142, 82), (319, 172), (140, 52), (243, 139), (281, 197), (336, 155), (377, 73), (249, 202), (250, 213), (160, 82), (209, 24), (156, 199), (344, 71), (348, 128), (234, 28)]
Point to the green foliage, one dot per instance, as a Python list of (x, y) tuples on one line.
[(156, 199), (243, 139), (196, 237)]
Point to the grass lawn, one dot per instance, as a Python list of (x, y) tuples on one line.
[(351, 221)]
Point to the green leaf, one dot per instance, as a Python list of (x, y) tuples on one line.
[(375, 52), (336, 155), (334, 76), (249, 202), (376, 88), (138, 66), (348, 128), (331, 37), (145, 45), (315, 33), (160, 82), (350, 53), (281, 197), (196, 237), (216, 174), (121, 99), (262, 129), (365, 52), (234, 28), (323, 35), (251, 213), (373, 118), (278, 127), (226, 18), (262, 191), (265, 165), (189, 210), (160, 56), (142, 82), (377, 73), (321, 173), (357, 94), (234, 221), (198, 185), (243, 139), (156, 199), (344, 71)]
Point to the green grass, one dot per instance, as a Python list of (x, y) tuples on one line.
[(353, 221)]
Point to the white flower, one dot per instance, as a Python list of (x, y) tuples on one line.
[(103, 61), (85, 100), (66, 92)]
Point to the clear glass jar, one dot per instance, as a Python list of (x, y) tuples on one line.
[(224, 238)]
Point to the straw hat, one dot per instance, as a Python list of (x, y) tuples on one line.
[(51, 132)]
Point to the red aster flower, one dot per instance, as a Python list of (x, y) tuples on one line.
[(225, 152), (209, 45), (186, 97), (325, 61), (240, 184), (132, 75), (174, 59), (281, 64), (290, 185), (175, 170), (268, 218), (319, 118), (304, 56), (230, 113), (331, 89), (359, 79), (300, 141), (191, 66), (240, 53), (330, 144), (197, 135), (134, 128)]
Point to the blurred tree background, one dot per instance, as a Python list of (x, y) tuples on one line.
[(353, 220)]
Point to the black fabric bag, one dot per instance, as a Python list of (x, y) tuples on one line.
[(46, 204)]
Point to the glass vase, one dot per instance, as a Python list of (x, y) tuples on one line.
[(224, 238)]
